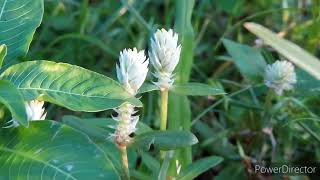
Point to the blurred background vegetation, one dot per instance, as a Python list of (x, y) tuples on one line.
[(91, 33)]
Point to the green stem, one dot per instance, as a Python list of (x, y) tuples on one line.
[(163, 109), (124, 160), (267, 107)]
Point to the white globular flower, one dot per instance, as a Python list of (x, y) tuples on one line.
[(35, 111), (132, 69), (280, 76), (164, 56), (126, 124)]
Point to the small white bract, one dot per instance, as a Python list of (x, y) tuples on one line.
[(164, 56), (35, 112), (126, 124), (280, 76), (132, 69)]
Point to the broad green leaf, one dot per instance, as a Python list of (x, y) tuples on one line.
[(99, 129), (12, 99), (3, 53), (196, 168), (165, 140), (196, 89), (147, 87), (51, 150), (18, 22), (249, 60), (67, 85), (288, 49)]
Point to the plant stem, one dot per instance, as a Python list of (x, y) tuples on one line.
[(267, 107), (124, 160), (163, 109)]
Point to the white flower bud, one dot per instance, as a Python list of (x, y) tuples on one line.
[(164, 56), (132, 69), (280, 76), (34, 110)]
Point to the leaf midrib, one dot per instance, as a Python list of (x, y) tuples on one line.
[(38, 160), (64, 92)]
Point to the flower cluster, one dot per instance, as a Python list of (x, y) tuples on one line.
[(35, 111), (132, 71), (164, 56), (280, 76)]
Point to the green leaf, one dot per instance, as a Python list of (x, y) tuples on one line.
[(18, 22), (13, 100), (147, 87), (249, 60), (196, 89), (179, 111), (165, 165), (165, 140), (51, 150), (307, 85), (195, 169), (288, 49), (99, 129), (151, 163), (3, 53), (67, 85)]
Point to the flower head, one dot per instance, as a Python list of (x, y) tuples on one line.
[(164, 56), (35, 112), (132, 69), (280, 76)]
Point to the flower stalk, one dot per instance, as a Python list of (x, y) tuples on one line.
[(124, 160), (131, 73), (163, 109)]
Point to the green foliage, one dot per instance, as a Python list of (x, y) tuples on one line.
[(196, 168), (196, 89), (3, 53), (50, 150), (67, 85), (233, 120), (18, 22), (164, 140), (288, 49), (179, 106), (249, 60), (12, 99)]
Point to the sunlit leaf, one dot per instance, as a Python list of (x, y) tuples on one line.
[(67, 85)]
